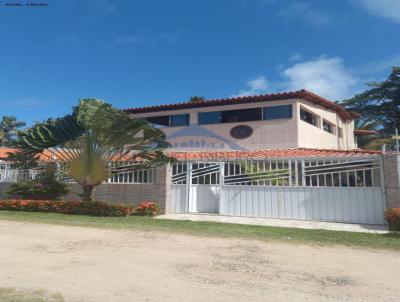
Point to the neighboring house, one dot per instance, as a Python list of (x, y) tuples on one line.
[(299, 119)]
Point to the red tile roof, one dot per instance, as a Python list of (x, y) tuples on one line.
[(361, 132), (226, 155), (4, 152), (280, 153), (300, 94)]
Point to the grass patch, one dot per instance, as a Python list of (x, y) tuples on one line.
[(13, 295), (389, 241)]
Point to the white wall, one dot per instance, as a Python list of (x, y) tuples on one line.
[(272, 134), (310, 136)]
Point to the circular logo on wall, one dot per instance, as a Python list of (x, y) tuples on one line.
[(241, 132)]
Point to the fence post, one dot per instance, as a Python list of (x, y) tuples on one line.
[(290, 172), (188, 186), (303, 175), (221, 183)]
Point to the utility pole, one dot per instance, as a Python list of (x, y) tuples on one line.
[(396, 137)]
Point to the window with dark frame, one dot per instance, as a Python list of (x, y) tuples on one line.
[(158, 121), (241, 115), (179, 120), (230, 116), (308, 117), (213, 117), (169, 120), (277, 112), (328, 127), (340, 132)]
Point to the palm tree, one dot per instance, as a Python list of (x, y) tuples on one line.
[(368, 136), (86, 142), (9, 126)]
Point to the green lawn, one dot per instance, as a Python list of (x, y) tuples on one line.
[(375, 241), (13, 295)]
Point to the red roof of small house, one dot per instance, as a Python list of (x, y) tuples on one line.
[(44, 156), (4, 152), (361, 132), (300, 94), (280, 153), (227, 155)]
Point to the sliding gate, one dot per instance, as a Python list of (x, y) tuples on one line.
[(329, 189)]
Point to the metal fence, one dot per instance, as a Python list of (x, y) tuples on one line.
[(328, 172), (126, 176), (324, 189)]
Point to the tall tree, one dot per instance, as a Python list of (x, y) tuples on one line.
[(87, 142), (9, 126), (380, 103), (369, 137), (196, 99)]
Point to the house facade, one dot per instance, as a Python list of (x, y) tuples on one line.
[(286, 156), (299, 119)]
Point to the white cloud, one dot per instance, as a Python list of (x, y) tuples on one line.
[(255, 86), (325, 76), (305, 11), (295, 57), (389, 9)]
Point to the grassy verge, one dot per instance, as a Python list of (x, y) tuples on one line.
[(13, 295), (389, 241)]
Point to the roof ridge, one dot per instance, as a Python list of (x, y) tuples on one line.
[(304, 94)]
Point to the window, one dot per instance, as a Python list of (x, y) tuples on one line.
[(230, 116), (169, 120), (158, 120), (328, 127), (242, 115), (179, 120), (277, 112), (308, 117), (209, 117), (340, 132)]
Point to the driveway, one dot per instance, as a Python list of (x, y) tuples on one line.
[(89, 264)]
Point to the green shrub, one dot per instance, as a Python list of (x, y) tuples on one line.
[(45, 187), (96, 208), (392, 216)]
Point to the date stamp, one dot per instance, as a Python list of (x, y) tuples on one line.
[(23, 4)]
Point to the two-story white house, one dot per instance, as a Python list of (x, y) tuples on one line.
[(299, 119)]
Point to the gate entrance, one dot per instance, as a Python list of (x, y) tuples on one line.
[(336, 189), (204, 189)]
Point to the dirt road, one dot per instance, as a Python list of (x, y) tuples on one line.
[(89, 264)]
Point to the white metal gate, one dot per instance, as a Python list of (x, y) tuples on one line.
[(199, 185), (328, 189)]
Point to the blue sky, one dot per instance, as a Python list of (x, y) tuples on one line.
[(136, 53)]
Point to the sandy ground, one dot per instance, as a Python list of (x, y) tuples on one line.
[(88, 264)]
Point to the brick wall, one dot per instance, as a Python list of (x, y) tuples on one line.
[(126, 193), (131, 193), (391, 167)]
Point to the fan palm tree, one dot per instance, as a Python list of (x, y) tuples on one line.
[(86, 142), (368, 135), (9, 126)]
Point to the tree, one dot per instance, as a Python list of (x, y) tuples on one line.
[(380, 103), (86, 142), (196, 99), (45, 186), (8, 130)]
